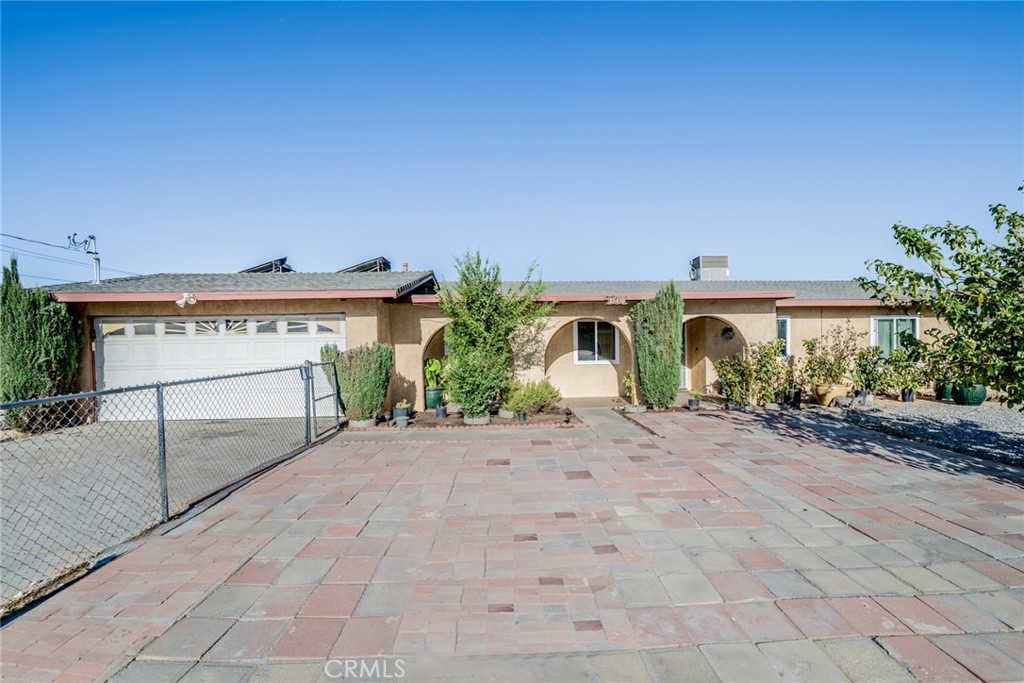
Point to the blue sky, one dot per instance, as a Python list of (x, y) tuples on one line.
[(604, 141)]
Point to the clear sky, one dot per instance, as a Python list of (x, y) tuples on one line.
[(604, 141)]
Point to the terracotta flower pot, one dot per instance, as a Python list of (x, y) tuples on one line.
[(825, 393)]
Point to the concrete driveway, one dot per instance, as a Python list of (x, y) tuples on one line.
[(728, 547)]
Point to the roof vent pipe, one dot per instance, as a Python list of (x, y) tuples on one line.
[(405, 266)]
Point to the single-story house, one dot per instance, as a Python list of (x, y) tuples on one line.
[(171, 326)]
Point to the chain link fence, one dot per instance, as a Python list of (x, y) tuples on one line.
[(81, 474)]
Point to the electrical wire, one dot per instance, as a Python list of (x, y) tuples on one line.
[(45, 244), (58, 259), (41, 277)]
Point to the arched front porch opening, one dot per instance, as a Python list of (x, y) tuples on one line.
[(707, 338), (587, 357)]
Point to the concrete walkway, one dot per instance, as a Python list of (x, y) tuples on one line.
[(729, 548)]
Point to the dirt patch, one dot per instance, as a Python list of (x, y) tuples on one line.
[(429, 420)]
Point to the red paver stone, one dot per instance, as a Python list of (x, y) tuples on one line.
[(763, 621), (369, 637), (579, 474), (587, 625), (524, 537), (759, 559), (926, 661), (499, 608), (605, 549), (709, 624), (739, 586), (657, 626), (983, 660), (965, 614), (816, 618), (258, 571), (868, 617), (308, 639), (352, 570), (551, 581), (1001, 572), (332, 600), (917, 615)]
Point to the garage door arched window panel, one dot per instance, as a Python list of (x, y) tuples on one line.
[(595, 342), (175, 328), (207, 328), (112, 328), (266, 327), (233, 328), (327, 326), (296, 327)]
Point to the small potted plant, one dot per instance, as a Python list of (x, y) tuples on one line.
[(402, 421), (402, 409), (829, 360), (904, 372), (441, 411), (794, 384), (859, 385), (694, 401), (432, 373), (632, 393)]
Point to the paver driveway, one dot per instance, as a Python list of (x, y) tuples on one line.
[(727, 547)]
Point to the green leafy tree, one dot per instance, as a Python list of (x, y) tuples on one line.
[(40, 342), (658, 331), (485, 319), (975, 286)]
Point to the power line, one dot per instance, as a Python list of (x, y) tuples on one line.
[(56, 280), (58, 259), (45, 244)]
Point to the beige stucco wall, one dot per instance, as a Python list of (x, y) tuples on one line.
[(588, 379), (812, 322), (752, 321)]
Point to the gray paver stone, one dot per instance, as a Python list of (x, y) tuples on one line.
[(833, 582), (690, 589), (217, 673), (1002, 604), (863, 661), (879, 582), (641, 591), (304, 572), (801, 660), (739, 663), (786, 583), (228, 601), (284, 546), (680, 664), (189, 638), (922, 579), (149, 671)]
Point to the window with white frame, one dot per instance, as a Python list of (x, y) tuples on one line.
[(782, 332), (595, 341), (886, 331)]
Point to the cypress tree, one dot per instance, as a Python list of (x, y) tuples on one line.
[(658, 331), (40, 342)]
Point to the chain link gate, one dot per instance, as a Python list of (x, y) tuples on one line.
[(83, 473)]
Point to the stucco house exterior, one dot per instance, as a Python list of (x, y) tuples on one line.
[(147, 328)]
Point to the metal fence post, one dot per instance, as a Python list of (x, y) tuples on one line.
[(161, 446), (307, 378), (337, 397)]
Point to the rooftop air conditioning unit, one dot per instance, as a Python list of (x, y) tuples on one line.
[(709, 268)]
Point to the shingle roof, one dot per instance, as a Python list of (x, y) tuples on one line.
[(400, 282), (805, 289)]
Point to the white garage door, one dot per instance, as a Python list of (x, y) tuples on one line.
[(134, 351)]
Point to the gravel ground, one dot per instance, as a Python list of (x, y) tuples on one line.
[(991, 430)]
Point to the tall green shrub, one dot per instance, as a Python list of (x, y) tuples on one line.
[(40, 342), (484, 317), (658, 331), (363, 376)]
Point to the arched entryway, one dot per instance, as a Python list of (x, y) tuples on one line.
[(707, 338), (588, 357)]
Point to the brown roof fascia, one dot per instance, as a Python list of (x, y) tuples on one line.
[(639, 296), (96, 297), (839, 303)]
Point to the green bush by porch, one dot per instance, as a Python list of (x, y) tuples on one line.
[(658, 333)]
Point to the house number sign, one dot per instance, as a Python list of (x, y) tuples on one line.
[(616, 301)]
